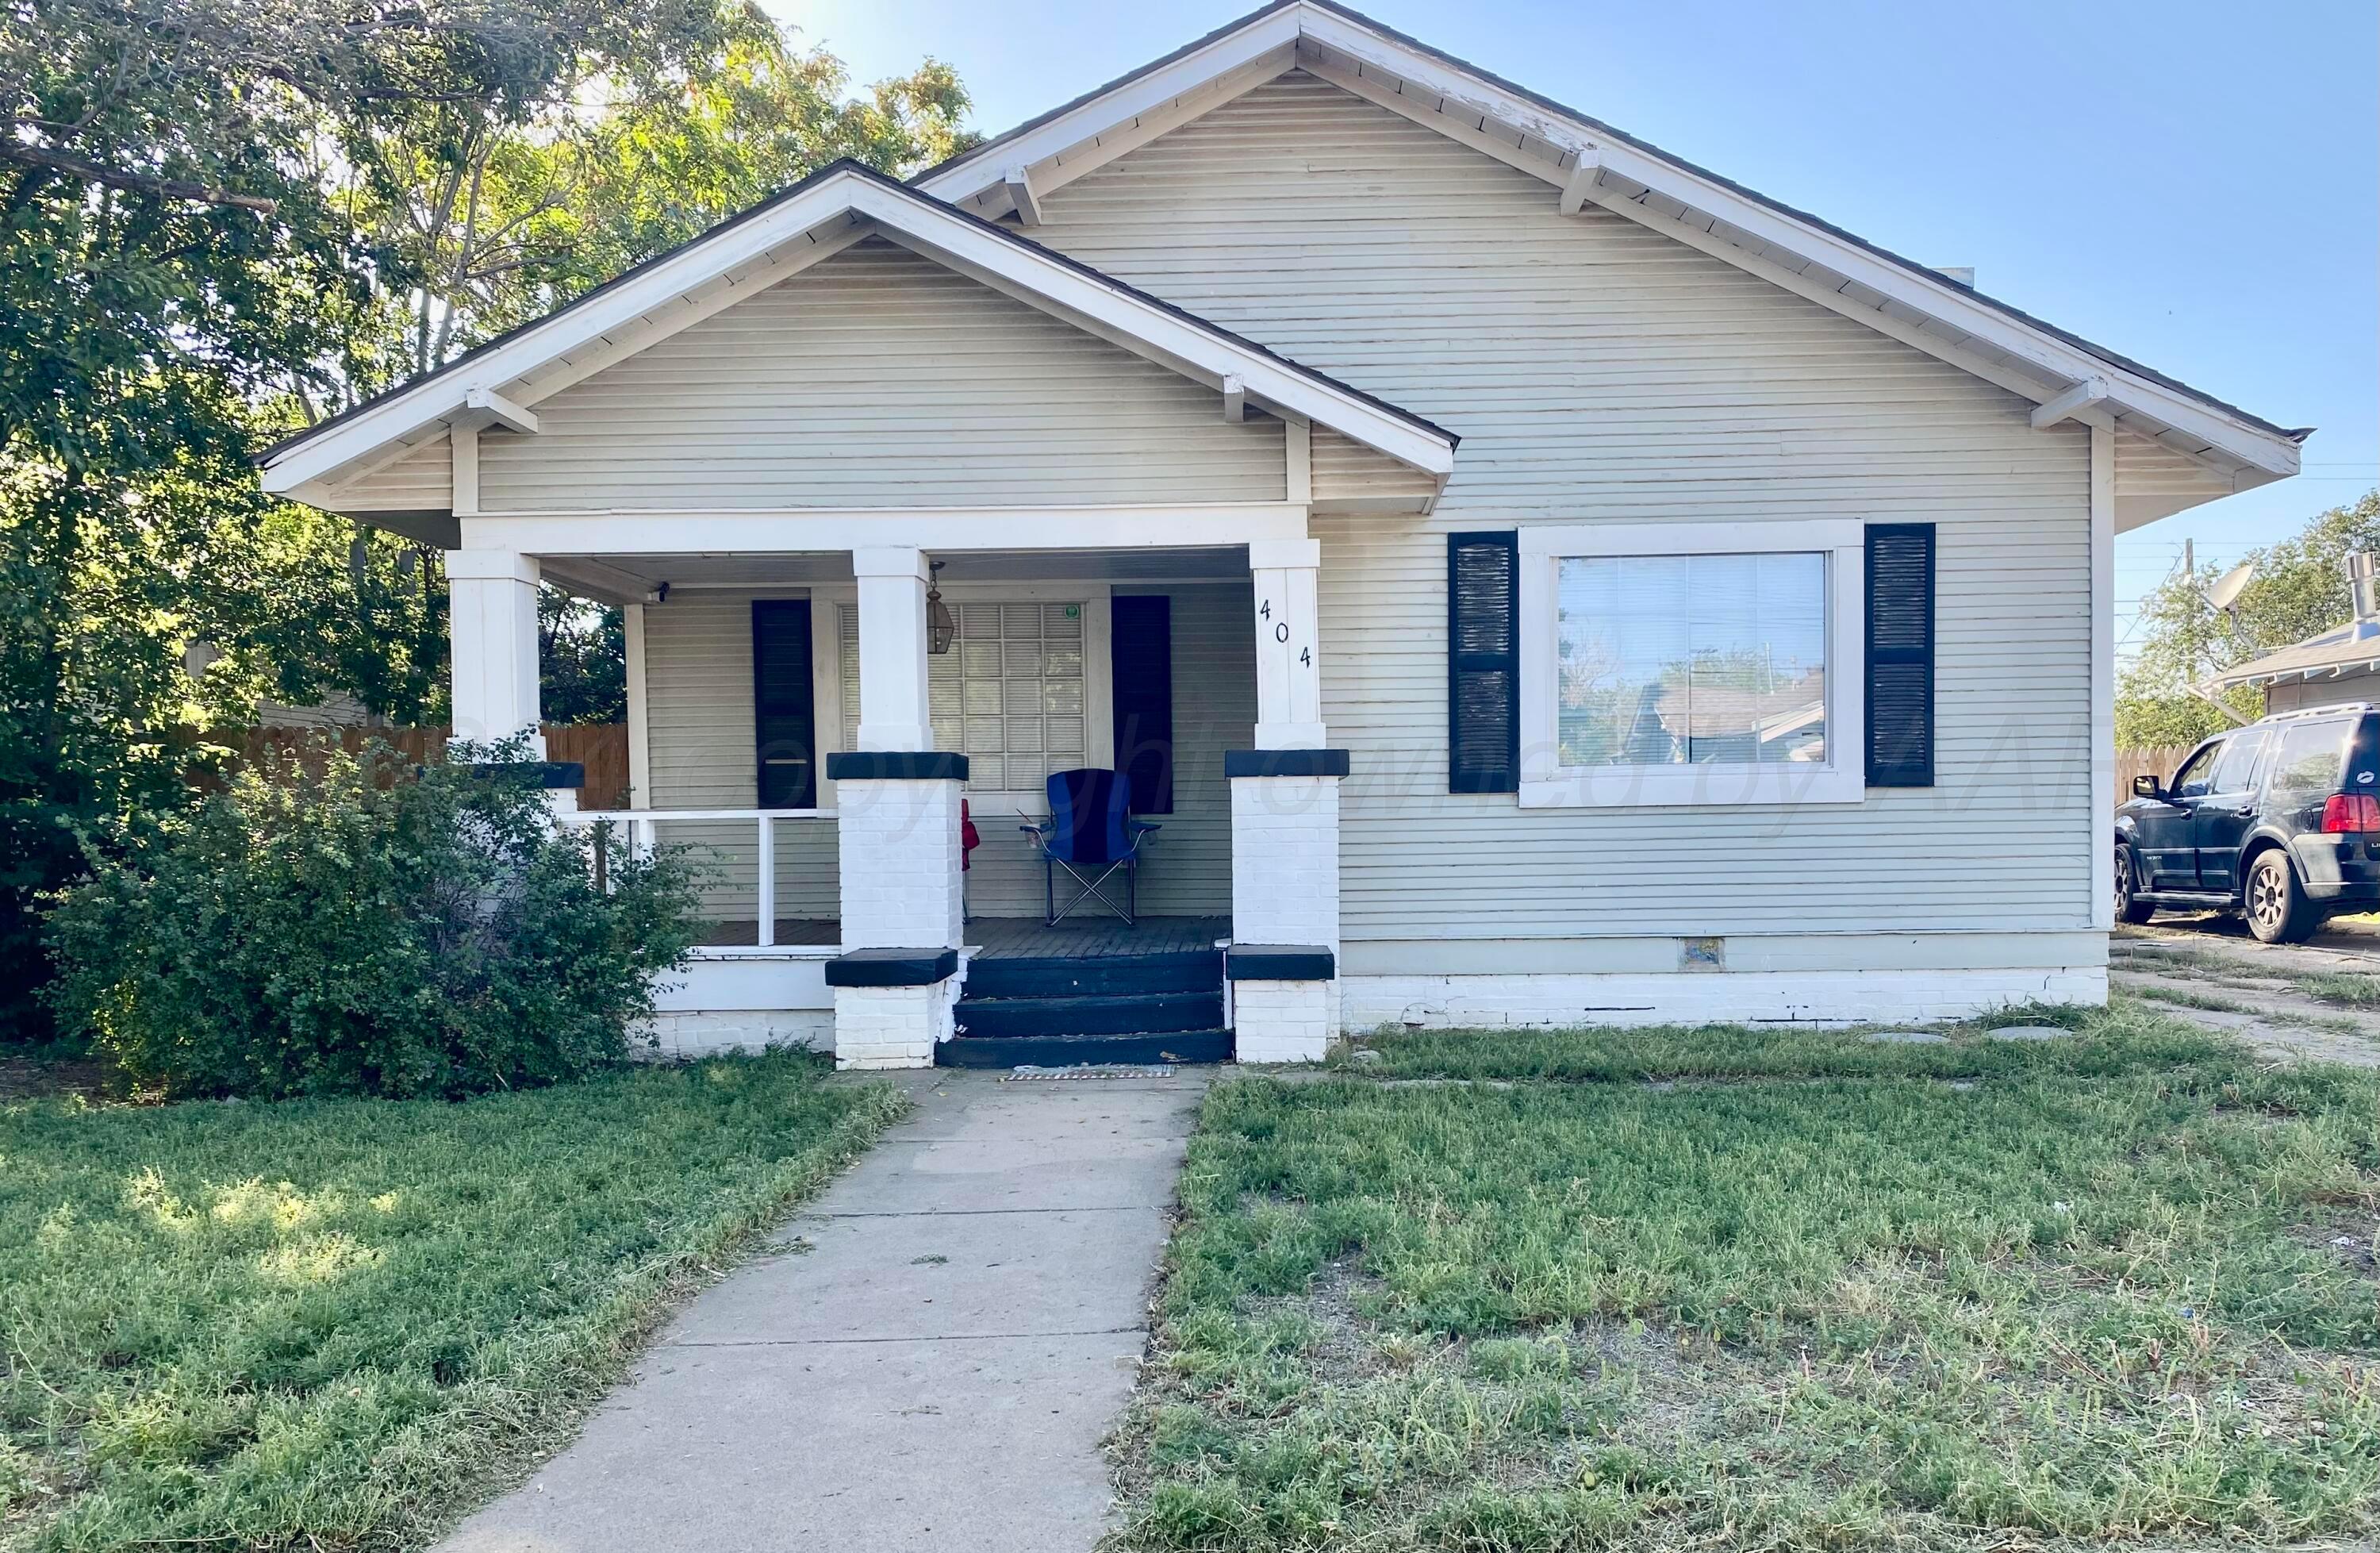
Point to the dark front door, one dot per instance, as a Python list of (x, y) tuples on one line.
[(2224, 816), (2168, 830)]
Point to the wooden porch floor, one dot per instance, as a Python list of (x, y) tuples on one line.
[(1018, 938)]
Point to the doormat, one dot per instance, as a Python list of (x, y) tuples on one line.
[(1091, 1070)]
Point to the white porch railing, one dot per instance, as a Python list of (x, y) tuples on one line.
[(641, 827)]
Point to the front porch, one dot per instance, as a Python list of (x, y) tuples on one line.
[(804, 694)]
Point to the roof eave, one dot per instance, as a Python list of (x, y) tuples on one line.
[(2062, 359), (854, 196)]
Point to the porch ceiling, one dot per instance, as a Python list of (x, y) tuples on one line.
[(602, 576)]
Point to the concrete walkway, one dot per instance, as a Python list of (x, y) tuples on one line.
[(926, 1357)]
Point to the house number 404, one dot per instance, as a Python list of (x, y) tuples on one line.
[(1280, 633)]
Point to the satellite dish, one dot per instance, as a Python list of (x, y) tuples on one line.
[(2228, 587)]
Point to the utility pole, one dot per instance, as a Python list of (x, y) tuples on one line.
[(2189, 572)]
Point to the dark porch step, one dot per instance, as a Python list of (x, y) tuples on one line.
[(1070, 1051), (1100, 976), (1141, 1014)]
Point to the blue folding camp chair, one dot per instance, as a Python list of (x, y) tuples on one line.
[(1092, 836)]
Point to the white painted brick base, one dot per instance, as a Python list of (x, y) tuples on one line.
[(892, 1027), (1737, 998), (680, 1037), (900, 864), (1285, 860), (1284, 890), (1281, 1022), (901, 890)]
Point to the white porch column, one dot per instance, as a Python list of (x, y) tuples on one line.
[(1289, 648), (897, 816), (493, 646), (893, 712), (1286, 826)]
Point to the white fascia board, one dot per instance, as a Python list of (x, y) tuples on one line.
[(408, 410), (1161, 333), (1146, 95)]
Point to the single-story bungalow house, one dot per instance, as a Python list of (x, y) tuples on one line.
[(1529, 579)]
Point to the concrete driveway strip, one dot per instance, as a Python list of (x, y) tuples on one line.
[(928, 1356)]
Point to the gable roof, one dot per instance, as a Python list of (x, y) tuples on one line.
[(501, 381), (1589, 161), (2340, 650)]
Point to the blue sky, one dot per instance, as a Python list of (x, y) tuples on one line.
[(2193, 184)]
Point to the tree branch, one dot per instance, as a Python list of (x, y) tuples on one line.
[(132, 182)]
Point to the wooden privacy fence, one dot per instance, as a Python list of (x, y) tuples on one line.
[(2158, 762), (601, 748)]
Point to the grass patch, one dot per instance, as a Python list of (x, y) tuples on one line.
[(2187, 997), (335, 1323), (1742, 1052), (2346, 988), (2098, 1295)]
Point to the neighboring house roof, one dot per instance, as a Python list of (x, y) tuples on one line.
[(1590, 161), (2343, 649), (501, 382)]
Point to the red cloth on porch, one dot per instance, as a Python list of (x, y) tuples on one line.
[(969, 838)]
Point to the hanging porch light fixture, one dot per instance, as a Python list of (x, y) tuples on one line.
[(940, 627)]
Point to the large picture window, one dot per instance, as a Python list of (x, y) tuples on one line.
[(1696, 664), (1675, 660)]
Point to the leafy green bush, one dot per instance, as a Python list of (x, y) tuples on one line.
[(368, 928)]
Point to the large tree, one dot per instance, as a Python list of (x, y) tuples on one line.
[(496, 206), (220, 219), (2299, 589)]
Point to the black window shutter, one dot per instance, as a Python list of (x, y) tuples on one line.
[(1483, 662), (1900, 655), (783, 730), (1140, 652)]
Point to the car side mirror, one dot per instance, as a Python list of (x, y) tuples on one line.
[(2148, 787)]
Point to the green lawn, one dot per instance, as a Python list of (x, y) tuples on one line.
[(333, 1324), (1796, 1292)]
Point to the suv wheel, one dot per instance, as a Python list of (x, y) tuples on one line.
[(2279, 911), (2129, 910)]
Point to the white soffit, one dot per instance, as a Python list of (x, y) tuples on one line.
[(502, 382), (1589, 162)]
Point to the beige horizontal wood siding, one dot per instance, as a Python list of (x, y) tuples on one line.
[(699, 736), (421, 480), (880, 379), (1348, 474), (1596, 371)]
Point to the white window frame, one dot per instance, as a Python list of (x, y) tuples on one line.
[(1841, 778), (1098, 688)]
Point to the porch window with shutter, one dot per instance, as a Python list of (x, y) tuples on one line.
[(1899, 654), (1483, 663)]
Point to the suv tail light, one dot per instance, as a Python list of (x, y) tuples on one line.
[(2348, 814)]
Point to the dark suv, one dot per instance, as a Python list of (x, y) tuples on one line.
[(2279, 819)]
